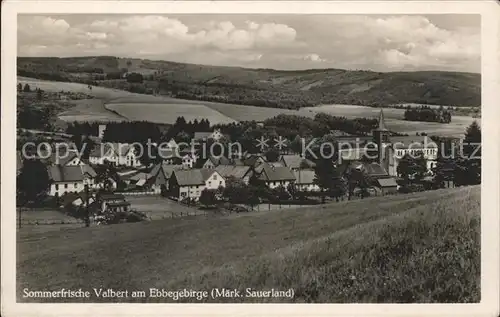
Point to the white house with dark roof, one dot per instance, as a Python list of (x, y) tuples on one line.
[(190, 183), (214, 161), (274, 176), (118, 154), (67, 179), (203, 136), (243, 173), (304, 180), (295, 162)]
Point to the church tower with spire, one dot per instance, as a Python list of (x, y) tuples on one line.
[(381, 138)]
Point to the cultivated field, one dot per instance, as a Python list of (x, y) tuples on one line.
[(422, 247), (131, 106), (156, 207)]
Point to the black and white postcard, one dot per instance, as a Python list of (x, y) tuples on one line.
[(235, 153)]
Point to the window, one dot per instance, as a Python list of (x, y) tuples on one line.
[(57, 186), (215, 177), (75, 185), (209, 183), (65, 185), (220, 182)]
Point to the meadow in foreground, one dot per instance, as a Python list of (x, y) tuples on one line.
[(422, 247)]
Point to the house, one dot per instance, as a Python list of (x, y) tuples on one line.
[(65, 179), (216, 135), (275, 177), (112, 203), (295, 162), (243, 173), (189, 160), (190, 183), (118, 154), (71, 158), (102, 129), (159, 176), (387, 185), (254, 160), (304, 180), (214, 161), (76, 199)]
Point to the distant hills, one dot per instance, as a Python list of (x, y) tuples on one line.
[(262, 87)]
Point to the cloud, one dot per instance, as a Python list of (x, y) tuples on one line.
[(313, 58), (404, 42)]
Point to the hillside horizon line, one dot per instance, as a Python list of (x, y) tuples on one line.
[(247, 68)]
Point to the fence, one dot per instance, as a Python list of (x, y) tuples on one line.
[(143, 193)]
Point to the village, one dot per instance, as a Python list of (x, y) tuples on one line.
[(112, 185)]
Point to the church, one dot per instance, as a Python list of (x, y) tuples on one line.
[(379, 154)]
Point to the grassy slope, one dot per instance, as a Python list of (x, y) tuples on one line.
[(421, 247), (317, 86)]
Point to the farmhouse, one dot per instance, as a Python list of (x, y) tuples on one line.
[(118, 154), (112, 203), (214, 161), (159, 176), (190, 183), (304, 180), (67, 179), (295, 162), (243, 173), (189, 160), (203, 136), (275, 177)]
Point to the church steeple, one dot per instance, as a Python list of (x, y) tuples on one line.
[(381, 122), (381, 136)]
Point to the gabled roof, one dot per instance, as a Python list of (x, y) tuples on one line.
[(59, 173), (372, 169), (104, 149), (219, 160), (233, 171), (165, 168), (295, 161), (387, 182), (272, 174), (192, 176), (304, 177), (188, 177), (416, 142)]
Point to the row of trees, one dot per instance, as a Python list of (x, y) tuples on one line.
[(427, 114)]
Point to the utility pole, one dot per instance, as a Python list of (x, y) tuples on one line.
[(87, 215)]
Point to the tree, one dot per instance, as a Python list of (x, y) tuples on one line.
[(357, 178), (39, 94), (327, 178), (468, 166), (412, 167), (272, 155), (252, 196), (135, 78), (208, 197), (33, 182), (19, 87), (27, 88), (105, 173)]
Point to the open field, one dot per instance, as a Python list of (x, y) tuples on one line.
[(168, 112), (422, 247), (156, 207), (131, 106)]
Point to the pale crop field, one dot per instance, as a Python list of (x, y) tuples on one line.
[(168, 112), (160, 109)]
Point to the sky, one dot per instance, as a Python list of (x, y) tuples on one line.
[(370, 42)]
